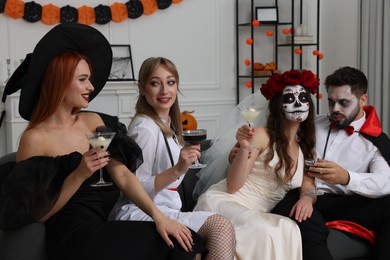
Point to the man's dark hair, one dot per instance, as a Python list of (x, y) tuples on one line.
[(348, 76)]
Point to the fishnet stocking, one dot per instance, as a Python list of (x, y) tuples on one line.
[(220, 238)]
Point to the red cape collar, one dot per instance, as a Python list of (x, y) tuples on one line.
[(371, 126)]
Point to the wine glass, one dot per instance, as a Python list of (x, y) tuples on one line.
[(310, 163), (195, 137), (250, 114), (101, 139)]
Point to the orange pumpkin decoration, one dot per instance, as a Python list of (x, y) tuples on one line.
[(258, 66), (50, 14), (14, 8), (188, 121), (86, 15), (150, 6), (270, 66), (119, 12)]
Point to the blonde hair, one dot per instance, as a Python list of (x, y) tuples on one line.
[(142, 107)]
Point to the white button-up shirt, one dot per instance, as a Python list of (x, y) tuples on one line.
[(369, 172)]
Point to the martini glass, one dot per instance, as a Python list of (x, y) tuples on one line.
[(250, 114), (101, 139), (194, 137), (314, 192)]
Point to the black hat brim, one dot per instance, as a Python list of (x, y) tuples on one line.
[(80, 38)]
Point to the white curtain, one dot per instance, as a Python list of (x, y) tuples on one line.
[(375, 55)]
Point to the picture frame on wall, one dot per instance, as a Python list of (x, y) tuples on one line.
[(122, 63), (267, 14)]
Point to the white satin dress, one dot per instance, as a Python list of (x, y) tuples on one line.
[(259, 233)]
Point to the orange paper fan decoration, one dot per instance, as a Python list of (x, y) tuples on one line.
[(50, 14), (249, 41), (320, 56), (247, 62), (319, 95), (285, 31), (316, 52), (269, 33), (118, 12), (86, 15), (14, 8), (150, 6)]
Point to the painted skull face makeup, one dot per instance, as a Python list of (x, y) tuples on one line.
[(295, 103)]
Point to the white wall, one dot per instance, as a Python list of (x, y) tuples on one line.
[(199, 36)]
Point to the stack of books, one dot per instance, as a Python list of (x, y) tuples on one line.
[(300, 39)]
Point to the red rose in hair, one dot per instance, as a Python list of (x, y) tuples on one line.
[(276, 82), (267, 91), (292, 77), (309, 81)]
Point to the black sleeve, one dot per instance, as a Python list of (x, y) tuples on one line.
[(122, 148), (29, 189)]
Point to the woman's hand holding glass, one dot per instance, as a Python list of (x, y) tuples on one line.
[(181, 233), (188, 155), (244, 137), (92, 160)]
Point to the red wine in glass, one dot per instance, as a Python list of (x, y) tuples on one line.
[(195, 137)]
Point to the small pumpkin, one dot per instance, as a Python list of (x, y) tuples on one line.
[(258, 66), (188, 121)]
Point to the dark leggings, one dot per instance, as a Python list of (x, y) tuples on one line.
[(373, 214)]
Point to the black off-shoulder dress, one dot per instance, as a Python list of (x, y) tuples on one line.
[(80, 230)]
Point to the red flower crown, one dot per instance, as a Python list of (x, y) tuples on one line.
[(277, 82)]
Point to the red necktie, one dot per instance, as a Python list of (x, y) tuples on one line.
[(349, 129)]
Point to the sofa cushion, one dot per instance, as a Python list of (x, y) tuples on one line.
[(23, 243)]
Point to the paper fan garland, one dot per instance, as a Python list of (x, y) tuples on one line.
[(101, 14)]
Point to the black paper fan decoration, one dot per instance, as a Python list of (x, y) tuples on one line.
[(134, 8), (2, 5), (164, 4), (103, 14), (68, 14), (32, 12)]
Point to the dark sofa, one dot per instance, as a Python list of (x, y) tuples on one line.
[(28, 243), (343, 245)]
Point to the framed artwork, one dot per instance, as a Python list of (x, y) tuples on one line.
[(267, 14), (122, 64)]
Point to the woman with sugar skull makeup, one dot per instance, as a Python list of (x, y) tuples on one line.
[(256, 181)]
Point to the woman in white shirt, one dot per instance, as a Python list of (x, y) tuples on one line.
[(156, 128)]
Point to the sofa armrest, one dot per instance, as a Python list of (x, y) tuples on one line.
[(27, 242)]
